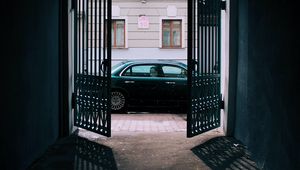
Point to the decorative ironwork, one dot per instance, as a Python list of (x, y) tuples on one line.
[(92, 65), (92, 102), (204, 65)]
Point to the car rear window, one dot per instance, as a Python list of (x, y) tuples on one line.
[(139, 71)]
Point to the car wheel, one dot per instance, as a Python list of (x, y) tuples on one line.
[(118, 101)]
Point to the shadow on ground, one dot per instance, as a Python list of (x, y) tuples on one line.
[(75, 152), (224, 153)]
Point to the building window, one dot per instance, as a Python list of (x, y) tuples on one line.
[(118, 34), (171, 34)]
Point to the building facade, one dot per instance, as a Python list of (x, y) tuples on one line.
[(152, 29)]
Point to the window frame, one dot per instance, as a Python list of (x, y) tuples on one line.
[(114, 41), (171, 33)]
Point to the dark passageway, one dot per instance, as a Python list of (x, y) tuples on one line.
[(262, 99)]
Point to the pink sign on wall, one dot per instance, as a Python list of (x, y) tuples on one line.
[(143, 22)]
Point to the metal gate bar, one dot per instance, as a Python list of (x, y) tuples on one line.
[(204, 65), (92, 65)]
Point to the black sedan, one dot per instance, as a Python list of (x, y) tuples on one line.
[(148, 83)]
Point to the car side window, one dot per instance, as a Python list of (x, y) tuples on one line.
[(173, 71), (141, 71)]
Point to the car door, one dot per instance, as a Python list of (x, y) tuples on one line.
[(175, 83), (141, 86)]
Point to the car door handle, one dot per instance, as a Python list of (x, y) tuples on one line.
[(129, 82), (170, 82)]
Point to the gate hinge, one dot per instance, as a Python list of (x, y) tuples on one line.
[(73, 100), (223, 5), (105, 62), (73, 4), (193, 64), (222, 104)]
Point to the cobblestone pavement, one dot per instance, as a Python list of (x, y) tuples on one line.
[(148, 122)]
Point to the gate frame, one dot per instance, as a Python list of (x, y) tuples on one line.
[(66, 126), (64, 100)]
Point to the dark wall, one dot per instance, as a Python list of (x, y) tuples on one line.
[(266, 108), (29, 80)]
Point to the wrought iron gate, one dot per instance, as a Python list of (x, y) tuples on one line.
[(204, 25), (92, 65)]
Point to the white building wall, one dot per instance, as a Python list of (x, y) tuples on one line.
[(145, 43)]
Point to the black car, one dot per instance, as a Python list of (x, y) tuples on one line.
[(149, 83)]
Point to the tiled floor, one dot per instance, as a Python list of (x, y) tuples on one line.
[(148, 122)]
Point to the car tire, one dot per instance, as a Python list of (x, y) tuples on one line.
[(118, 102)]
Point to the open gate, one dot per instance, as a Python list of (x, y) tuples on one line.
[(92, 65), (204, 50)]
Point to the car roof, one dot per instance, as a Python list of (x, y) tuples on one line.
[(152, 61)]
